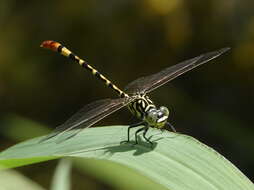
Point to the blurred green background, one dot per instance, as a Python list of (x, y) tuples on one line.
[(126, 39)]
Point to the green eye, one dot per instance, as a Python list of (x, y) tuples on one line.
[(164, 110), (152, 116)]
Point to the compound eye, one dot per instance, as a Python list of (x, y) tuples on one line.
[(164, 110), (152, 116)]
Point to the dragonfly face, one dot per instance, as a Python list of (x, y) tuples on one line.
[(144, 109), (157, 117)]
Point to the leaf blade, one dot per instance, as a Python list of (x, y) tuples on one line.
[(176, 162)]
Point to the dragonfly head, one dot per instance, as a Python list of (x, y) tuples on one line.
[(158, 117)]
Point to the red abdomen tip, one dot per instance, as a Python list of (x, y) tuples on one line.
[(49, 44)]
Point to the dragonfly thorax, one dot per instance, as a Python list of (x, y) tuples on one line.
[(144, 108)]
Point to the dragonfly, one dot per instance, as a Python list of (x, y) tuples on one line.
[(134, 96)]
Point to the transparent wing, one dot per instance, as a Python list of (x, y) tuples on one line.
[(149, 83), (86, 117)]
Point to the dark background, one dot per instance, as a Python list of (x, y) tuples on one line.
[(126, 39)]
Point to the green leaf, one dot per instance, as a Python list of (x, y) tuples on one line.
[(116, 175), (62, 178), (176, 161), (10, 179)]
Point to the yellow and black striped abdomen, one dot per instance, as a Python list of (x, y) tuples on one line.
[(55, 46)]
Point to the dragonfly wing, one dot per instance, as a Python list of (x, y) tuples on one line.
[(149, 83), (86, 117)]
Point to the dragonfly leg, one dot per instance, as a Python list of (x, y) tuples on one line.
[(144, 135), (136, 134), (132, 126), (171, 126)]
